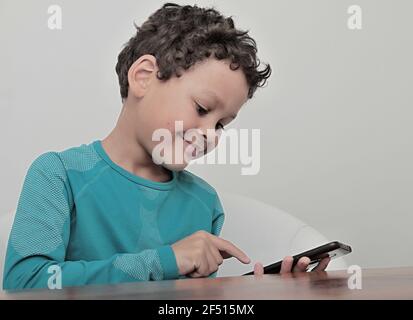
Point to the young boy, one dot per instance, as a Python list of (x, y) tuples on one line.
[(107, 212)]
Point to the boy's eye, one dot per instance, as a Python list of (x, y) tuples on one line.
[(201, 111)]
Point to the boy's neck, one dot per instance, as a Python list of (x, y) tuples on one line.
[(124, 150)]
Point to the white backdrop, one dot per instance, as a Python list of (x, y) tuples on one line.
[(335, 118)]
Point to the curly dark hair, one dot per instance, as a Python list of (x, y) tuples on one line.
[(180, 36)]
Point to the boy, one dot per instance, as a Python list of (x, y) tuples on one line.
[(109, 212)]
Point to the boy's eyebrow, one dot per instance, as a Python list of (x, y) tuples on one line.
[(217, 100)]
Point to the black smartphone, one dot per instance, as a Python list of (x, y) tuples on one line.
[(333, 250)]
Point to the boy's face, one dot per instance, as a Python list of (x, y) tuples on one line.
[(206, 97)]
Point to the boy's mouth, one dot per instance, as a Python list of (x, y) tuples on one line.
[(200, 148)]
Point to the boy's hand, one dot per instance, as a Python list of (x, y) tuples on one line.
[(202, 253), (287, 266)]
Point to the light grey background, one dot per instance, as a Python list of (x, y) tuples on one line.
[(335, 118)]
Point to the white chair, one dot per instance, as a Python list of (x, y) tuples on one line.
[(6, 222), (266, 234)]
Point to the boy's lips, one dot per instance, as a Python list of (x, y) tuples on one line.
[(197, 147)]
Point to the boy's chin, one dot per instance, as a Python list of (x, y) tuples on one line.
[(175, 166)]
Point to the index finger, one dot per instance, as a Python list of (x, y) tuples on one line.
[(231, 250)]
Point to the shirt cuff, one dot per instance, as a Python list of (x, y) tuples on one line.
[(168, 263)]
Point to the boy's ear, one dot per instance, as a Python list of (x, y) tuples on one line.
[(140, 75)]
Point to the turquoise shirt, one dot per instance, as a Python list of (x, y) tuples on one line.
[(100, 223)]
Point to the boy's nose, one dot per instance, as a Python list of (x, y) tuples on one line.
[(210, 136)]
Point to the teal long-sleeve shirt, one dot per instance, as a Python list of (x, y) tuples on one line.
[(100, 223)]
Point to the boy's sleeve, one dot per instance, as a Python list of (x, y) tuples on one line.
[(218, 218), (41, 232), (217, 223)]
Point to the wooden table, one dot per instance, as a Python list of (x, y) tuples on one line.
[(395, 283)]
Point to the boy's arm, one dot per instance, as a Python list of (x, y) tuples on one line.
[(217, 223), (40, 236), (218, 218)]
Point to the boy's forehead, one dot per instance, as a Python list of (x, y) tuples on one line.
[(215, 80)]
